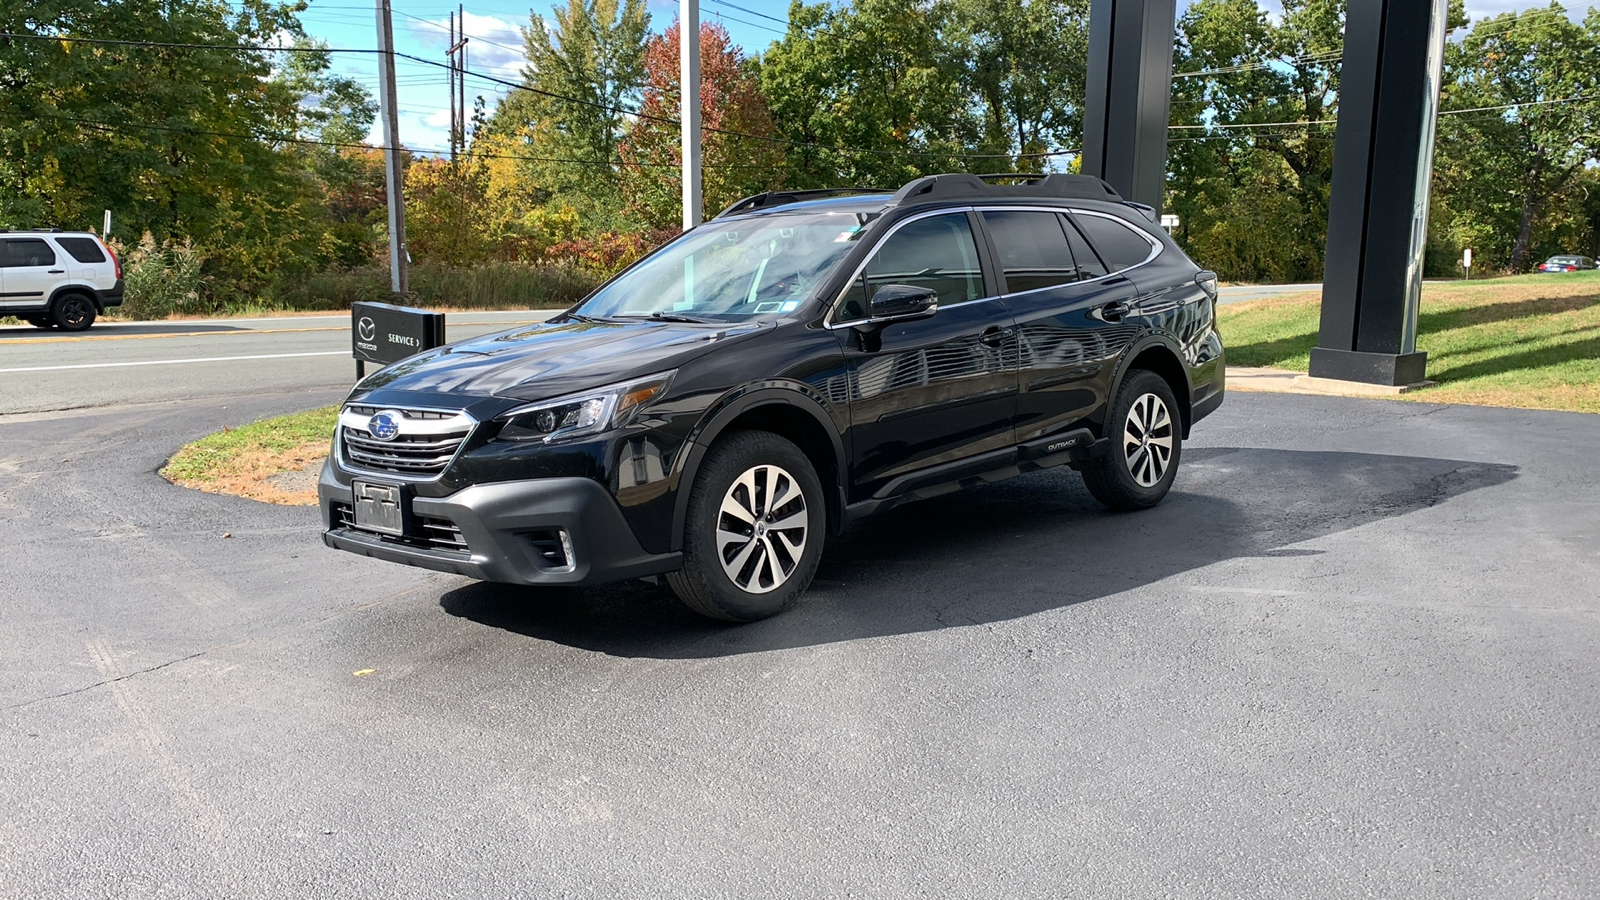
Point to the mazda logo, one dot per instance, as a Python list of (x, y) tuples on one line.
[(367, 329), (384, 426)]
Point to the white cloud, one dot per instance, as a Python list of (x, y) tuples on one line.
[(494, 45)]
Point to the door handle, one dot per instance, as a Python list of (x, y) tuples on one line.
[(1114, 311), (993, 336), (56, 272)]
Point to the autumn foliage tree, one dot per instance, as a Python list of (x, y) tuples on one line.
[(730, 101)]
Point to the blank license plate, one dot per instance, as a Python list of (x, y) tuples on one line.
[(379, 507)]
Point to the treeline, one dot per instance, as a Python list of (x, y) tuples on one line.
[(242, 157)]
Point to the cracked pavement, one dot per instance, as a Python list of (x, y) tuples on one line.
[(1354, 654)]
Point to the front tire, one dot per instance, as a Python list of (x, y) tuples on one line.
[(73, 312), (754, 530), (1146, 444)]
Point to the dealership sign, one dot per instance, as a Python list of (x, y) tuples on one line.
[(385, 333)]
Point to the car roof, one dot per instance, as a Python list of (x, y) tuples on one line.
[(950, 188), (44, 232)]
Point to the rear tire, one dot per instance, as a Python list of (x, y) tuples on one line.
[(73, 312), (1146, 444), (754, 529)]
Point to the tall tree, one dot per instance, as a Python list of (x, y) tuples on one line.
[(730, 101), (1527, 85), (1025, 67), (873, 92), (1254, 100), (585, 71)]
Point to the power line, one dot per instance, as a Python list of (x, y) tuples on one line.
[(284, 139), (665, 120)]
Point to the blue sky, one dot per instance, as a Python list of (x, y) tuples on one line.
[(495, 46)]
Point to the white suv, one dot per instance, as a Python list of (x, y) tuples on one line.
[(60, 278)]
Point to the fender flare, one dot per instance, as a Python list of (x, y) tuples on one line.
[(86, 290), (1166, 342), (772, 392)]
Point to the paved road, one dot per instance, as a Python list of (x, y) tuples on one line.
[(119, 362), (1235, 293), (123, 362), (1354, 654)]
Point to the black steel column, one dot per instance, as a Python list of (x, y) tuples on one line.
[(1378, 212), (1129, 96)]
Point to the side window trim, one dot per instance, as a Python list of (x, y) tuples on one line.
[(1155, 245), (838, 300)]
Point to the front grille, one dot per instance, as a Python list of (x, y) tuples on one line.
[(431, 532), (428, 440), (439, 534), (343, 515)]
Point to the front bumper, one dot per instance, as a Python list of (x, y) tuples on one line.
[(511, 532)]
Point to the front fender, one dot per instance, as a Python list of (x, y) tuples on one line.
[(774, 392)]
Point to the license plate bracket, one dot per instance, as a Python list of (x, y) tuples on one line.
[(379, 507)]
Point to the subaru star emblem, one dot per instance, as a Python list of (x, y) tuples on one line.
[(384, 426)]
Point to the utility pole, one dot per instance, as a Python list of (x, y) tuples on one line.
[(457, 56), (689, 99), (391, 150), (461, 72), (450, 58)]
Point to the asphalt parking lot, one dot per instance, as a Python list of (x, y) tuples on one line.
[(1354, 654)]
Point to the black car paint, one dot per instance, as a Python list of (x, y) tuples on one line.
[(1051, 373)]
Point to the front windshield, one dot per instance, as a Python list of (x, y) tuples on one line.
[(765, 265)]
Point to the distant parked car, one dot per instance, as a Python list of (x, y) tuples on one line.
[(1567, 264), (57, 278)]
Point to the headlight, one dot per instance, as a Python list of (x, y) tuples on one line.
[(582, 414)]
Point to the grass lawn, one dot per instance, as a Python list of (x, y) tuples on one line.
[(1530, 340), (274, 459)]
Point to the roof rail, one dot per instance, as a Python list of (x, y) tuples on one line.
[(33, 231), (780, 198), (962, 185)]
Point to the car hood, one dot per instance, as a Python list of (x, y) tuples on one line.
[(549, 359)]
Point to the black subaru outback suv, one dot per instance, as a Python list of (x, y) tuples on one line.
[(802, 359)]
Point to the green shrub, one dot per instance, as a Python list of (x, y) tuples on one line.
[(162, 280)]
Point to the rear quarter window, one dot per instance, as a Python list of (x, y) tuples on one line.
[(84, 250), (1118, 244)]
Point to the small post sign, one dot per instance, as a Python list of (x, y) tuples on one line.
[(384, 333)]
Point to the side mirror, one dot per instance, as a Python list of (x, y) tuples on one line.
[(902, 301)]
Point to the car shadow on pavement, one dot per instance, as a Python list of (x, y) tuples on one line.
[(1007, 550)]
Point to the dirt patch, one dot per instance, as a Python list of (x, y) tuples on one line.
[(287, 477)]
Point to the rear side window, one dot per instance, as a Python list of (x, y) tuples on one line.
[(26, 252), (937, 252), (84, 250), (1119, 246), (1033, 249)]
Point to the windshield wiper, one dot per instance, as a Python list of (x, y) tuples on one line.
[(660, 316)]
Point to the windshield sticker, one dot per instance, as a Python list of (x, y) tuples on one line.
[(789, 306), (849, 234)]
